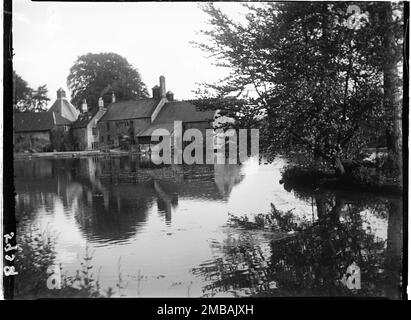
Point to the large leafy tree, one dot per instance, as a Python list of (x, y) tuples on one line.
[(28, 99), (21, 88), (319, 79), (393, 44), (95, 75)]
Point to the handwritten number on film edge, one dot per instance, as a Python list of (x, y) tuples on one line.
[(9, 270)]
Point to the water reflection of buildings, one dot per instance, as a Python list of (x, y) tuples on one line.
[(170, 183), (111, 197)]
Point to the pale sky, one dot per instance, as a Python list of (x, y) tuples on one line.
[(154, 37)]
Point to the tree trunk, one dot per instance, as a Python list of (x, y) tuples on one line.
[(339, 167), (317, 159), (392, 96)]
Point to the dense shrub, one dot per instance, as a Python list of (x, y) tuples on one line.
[(368, 176), (302, 176), (35, 255), (31, 144)]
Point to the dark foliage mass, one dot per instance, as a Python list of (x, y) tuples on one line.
[(95, 75), (27, 99), (326, 81)]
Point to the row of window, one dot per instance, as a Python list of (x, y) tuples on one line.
[(120, 124), (109, 141)]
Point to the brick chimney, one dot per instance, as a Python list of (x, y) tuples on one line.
[(84, 108), (170, 96), (61, 93), (162, 87), (156, 92), (100, 103), (159, 93)]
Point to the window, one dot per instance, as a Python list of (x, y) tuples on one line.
[(108, 138), (108, 126), (94, 131)]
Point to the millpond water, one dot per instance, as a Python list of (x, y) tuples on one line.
[(172, 231)]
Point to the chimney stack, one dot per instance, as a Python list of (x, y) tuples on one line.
[(84, 108), (162, 87), (100, 103), (113, 98), (170, 96), (156, 92)]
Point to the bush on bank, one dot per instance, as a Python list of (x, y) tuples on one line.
[(365, 176)]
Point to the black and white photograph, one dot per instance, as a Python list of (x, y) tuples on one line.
[(205, 150)]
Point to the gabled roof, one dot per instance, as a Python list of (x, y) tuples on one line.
[(84, 118), (38, 121), (132, 109), (63, 107), (148, 131), (183, 111), (176, 111), (60, 120)]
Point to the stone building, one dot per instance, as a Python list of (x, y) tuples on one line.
[(84, 130), (131, 123), (34, 130), (40, 130)]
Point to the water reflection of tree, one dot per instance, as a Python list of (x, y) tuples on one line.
[(116, 215), (226, 176), (313, 260), (241, 269)]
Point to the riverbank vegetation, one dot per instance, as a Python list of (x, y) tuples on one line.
[(40, 276), (374, 175)]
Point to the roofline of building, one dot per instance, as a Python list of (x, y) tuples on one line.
[(104, 120), (198, 121), (43, 130), (87, 123), (182, 121)]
